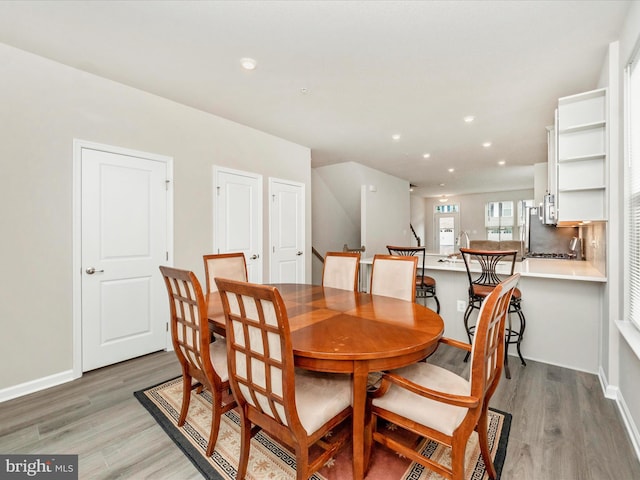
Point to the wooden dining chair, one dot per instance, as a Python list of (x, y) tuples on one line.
[(225, 265), (340, 270), (297, 408), (394, 276), (200, 360), (425, 285), (438, 404)]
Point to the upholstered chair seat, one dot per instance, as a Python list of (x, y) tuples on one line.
[(425, 280), (320, 397), (430, 413), (484, 291)]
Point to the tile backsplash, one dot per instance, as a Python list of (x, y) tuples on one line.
[(594, 243)]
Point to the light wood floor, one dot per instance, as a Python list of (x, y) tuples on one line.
[(563, 428)]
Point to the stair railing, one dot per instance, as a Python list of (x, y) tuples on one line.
[(415, 234), (346, 248)]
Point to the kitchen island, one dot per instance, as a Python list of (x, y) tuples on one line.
[(562, 300)]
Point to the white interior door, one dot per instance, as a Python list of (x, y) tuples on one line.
[(286, 231), (124, 238), (238, 217)]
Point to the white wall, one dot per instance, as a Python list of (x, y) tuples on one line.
[(386, 211), (540, 182), (333, 224), (337, 210), (44, 106)]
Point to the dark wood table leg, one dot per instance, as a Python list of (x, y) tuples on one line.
[(360, 373)]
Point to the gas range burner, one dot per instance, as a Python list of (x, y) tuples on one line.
[(559, 256)]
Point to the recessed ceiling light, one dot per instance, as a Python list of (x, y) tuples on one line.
[(451, 170), (442, 184), (395, 137), (304, 90), (469, 118), (501, 162), (426, 155), (248, 63), (486, 144), (443, 199)]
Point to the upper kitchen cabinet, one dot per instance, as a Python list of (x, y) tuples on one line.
[(581, 131)]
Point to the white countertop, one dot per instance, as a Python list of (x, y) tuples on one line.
[(530, 267)]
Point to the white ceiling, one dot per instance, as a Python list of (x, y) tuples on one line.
[(370, 69)]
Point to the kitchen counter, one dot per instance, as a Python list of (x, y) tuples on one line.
[(530, 267), (561, 299)]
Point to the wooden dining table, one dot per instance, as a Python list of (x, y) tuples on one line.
[(342, 331)]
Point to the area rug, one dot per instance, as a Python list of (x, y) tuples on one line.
[(271, 460)]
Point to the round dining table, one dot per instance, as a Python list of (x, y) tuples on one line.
[(343, 331)]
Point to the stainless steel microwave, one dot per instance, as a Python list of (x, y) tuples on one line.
[(547, 210)]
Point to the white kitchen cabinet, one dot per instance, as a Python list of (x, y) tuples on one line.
[(581, 158), (552, 163)]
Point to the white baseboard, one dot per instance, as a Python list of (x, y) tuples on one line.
[(609, 391), (36, 385), (632, 428), (614, 393)]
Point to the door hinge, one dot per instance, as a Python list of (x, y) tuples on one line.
[(218, 189), (167, 256), (166, 184), (166, 326)]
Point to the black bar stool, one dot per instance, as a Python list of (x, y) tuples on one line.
[(482, 283)]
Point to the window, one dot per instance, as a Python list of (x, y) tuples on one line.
[(499, 220), (632, 188), (449, 208)]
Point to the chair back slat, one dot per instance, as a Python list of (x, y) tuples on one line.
[(259, 349), (189, 324)]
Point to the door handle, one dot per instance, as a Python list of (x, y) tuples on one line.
[(92, 270), (254, 257), (299, 253)]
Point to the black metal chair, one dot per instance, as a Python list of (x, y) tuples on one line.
[(482, 283), (425, 285)]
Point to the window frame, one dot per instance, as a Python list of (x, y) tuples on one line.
[(632, 190)]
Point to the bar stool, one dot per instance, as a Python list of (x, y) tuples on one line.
[(425, 285), (482, 283)]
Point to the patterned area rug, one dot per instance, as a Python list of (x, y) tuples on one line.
[(270, 460)]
